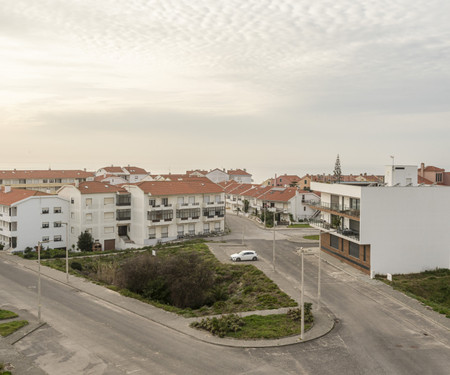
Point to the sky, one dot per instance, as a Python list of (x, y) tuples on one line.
[(271, 86)]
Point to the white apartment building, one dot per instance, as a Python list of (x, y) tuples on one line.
[(48, 181), (27, 217), (398, 228), (101, 209), (128, 173), (167, 210)]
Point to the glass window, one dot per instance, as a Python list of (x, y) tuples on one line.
[(108, 201), (354, 250), (57, 210), (45, 225), (45, 210), (334, 242)]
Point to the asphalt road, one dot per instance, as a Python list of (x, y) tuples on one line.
[(375, 335)]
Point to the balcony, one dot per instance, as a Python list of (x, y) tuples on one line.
[(346, 233), (335, 209), (123, 200), (123, 215)]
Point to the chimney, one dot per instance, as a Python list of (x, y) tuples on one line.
[(7, 189), (422, 169)]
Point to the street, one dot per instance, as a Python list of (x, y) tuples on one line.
[(375, 333)]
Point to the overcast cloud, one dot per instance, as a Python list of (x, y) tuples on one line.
[(273, 86)]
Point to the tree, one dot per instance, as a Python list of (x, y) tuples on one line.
[(337, 170), (246, 205), (85, 241)]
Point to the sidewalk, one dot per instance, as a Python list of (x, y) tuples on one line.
[(323, 320)]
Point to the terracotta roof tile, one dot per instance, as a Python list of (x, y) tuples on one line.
[(95, 187), (16, 195), (238, 172), (135, 170), (38, 174)]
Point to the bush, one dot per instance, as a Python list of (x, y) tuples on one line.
[(76, 266), (220, 326), (85, 241), (296, 314)]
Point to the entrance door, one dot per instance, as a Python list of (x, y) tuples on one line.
[(123, 230), (110, 245)]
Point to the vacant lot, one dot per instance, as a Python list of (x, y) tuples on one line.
[(429, 287), (184, 278)]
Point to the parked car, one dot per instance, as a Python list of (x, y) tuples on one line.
[(244, 255)]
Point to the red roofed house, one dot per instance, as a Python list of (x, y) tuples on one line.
[(102, 209), (433, 175), (240, 175), (128, 173), (48, 181), (27, 217), (167, 210)]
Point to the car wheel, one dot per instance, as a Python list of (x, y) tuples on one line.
[(254, 258), (238, 259)]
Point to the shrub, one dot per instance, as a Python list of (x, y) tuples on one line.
[(85, 241), (220, 326), (76, 266), (296, 314)]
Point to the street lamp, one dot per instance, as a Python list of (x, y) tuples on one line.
[(39, 278), (302, 304), (318, 280), (67, 251)]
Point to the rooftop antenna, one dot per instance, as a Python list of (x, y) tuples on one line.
[(392, 157)]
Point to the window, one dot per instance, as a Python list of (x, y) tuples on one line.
[(45, 181), (109, 230), (58, 180), (152, 202), (334, 242), (108, 216), (180, 230), (354, 250), (72, 215), (57, 224), (57, 238), (88, 202), (191, 200), (164, 232), (151, 233), (191, 228), (438, 177), (217, 198), (180, 201), (22, 181), (206, 199), (57, 210), (72, 201), (304, 208), (108, 201), (45, 225), (45, 210), (217, 227), (88, 217), (45, 239), (184, 214), (165, 202), (206, 228)]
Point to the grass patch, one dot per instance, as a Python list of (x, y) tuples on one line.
[(236, 288), (429, 287), (11, 327), (5, 314), (61, 253), (299, 226), (268, 327), (314, 237), (257, 326)]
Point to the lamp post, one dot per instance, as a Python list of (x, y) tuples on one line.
[(67, 251), (302, 305), (274, 238), (318, 280), (39, 279)]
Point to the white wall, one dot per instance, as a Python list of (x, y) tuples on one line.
[(401, 175), (407, 228), (30, 218), (217, 176)]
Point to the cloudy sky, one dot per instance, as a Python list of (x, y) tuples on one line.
[(272, 86)]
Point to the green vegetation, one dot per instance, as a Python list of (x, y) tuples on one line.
[(5, 314), (2, 366), (11, 327), (314, 237), (430, 287), (85, 241), (299, 226), (61, 253), (257, 326), (183, 278)]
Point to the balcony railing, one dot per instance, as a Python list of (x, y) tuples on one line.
[(336, 208), (352, 234)]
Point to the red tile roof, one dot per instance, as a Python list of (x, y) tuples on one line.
[(40, 174), (193, 186), (279, 195), (431, 168), (423, 180), (238, 172), (135, 170), (95, 187), (16, 195), (113, 169)]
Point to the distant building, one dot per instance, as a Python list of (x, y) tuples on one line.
[(433, 175), (128, 173), (27, 217), (283, 181), (240, 175), (48, 181)]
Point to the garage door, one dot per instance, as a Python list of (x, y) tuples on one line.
[(110, 245)]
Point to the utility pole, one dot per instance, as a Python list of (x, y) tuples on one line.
[(320, 261), (67, 251), (39, 281), (274, 240), (302, 304)]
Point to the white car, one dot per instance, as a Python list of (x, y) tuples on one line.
[(244, 255)]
